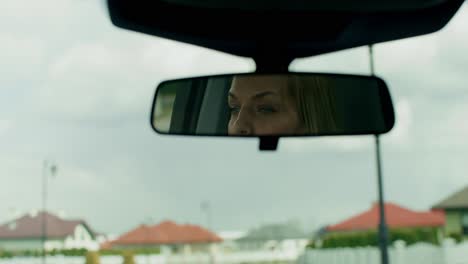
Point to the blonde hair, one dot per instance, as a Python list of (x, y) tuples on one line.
[(315, 102)]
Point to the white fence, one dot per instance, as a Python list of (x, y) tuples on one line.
[(421, 253), (150, 259), (231, 258)]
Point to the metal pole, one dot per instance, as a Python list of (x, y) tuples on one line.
[(383, 229), (206, 208), (208, 212), (371, 60), (44, 208)]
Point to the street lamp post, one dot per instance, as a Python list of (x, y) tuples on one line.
[(48, 169)]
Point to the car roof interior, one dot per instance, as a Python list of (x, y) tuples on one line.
[(308, 5), (283, 31)]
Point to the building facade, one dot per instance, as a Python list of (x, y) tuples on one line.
[(26, 234)]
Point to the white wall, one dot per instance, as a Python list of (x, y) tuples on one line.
[(81, 239), (240, 257), (21, 244), (54, 244), (421, 253), (456, 253)]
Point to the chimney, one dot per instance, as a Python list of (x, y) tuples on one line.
[(62, 214), (13, 213), (33, 213)]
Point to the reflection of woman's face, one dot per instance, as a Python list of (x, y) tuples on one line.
[(261, 105)]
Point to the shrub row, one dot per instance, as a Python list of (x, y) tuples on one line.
[(77, 252), (371, 238)]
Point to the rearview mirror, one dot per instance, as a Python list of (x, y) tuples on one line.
[(293, 104)]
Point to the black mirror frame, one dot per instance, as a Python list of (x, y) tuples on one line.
[(271, 142)]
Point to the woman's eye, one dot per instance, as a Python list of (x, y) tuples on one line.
[(234, 109), (266, 109)]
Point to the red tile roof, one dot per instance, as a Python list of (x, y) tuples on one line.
[(396, 216), (166, 233), (30, 226)]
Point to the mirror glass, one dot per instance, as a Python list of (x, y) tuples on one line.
[(294, 104)]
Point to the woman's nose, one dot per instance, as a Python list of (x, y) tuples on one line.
[(243, 124)]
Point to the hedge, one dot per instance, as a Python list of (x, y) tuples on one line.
[(76, 252), (456, 236), (136, 251), (370, 238)]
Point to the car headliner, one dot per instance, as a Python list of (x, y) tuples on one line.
[(279, 32)]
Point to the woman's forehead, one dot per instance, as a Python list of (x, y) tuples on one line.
[(245, 85)]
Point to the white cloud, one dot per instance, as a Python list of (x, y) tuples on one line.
[(394, 56), (19, 188), (52, 19), (400, 135), (456, 122), (352, 61), (4, 126), (330, 144), (450, 131), (20, 56), (104, 79)]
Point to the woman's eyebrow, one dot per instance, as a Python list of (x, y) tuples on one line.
[(256, 96), (263, 94)]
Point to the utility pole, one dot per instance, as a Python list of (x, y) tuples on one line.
[(48, 169), (206, 208), (149, 246), (383, 229)]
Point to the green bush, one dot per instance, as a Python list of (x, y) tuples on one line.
[(146, 251), (136, 251), (73, 252), (5, 254), (21, 253), (128, 258), (110, 252), (77, 252), (92, 257), (371, 238), (456, 236), (28, 253), (358, 239)]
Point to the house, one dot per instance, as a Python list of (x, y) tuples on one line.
[(229, 238), (275, 237), (169, 237), (455, 207), (397, 218), (25, 233)]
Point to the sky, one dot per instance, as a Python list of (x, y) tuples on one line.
[(77, 91)]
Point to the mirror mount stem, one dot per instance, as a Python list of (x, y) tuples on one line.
[(271, 60), (268, 143)]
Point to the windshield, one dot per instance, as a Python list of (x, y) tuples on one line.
[(76, 142)]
